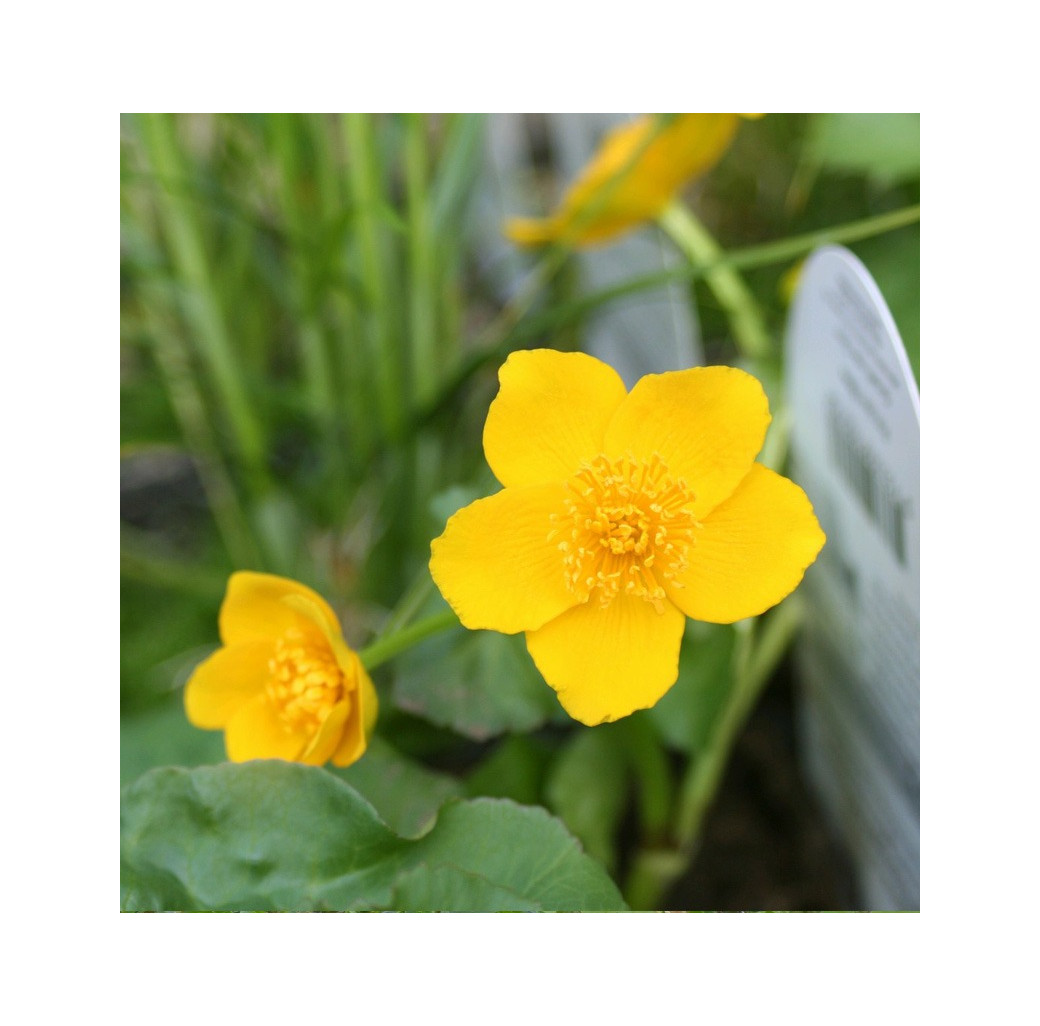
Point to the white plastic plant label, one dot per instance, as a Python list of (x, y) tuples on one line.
[(856, 451)]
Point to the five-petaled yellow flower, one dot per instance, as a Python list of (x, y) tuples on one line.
[(622, 514), (285, 685), (610, 196)]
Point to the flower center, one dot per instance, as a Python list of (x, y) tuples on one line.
[(305, 681), (626, 528)]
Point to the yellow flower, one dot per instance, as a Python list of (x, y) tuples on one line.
[(622, 514), (285, 685), (606, 199)]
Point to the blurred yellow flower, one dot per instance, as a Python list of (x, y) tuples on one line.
[(606, 199), (622, 514), (285, 685)]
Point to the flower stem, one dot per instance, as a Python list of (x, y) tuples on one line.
[(655, 869), (391, 645), (699, 246), (543, 324), (649, 762), (652, 873), (705, 772)]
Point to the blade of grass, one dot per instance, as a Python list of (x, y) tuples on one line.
[(317, 367), (456, 172), (189, 408), (199, 300), (451, 188), (138, 563), (317, 379), (369, 201), (348, 351), (422, 294), (697, 244)]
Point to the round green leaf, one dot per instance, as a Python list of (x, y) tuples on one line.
[(276, 836)]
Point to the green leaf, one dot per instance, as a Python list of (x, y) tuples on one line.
[(449, 889), (587, 789), (887, 146), (404, 793), (264, 836), (277, 836), (479, 683), (685, 715), (523, 849)]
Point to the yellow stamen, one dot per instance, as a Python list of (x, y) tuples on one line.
[(305, 682), (627, 527)]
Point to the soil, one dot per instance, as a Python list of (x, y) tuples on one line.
[(766, 845)]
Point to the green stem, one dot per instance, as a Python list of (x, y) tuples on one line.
[(652, 864), (392, 645), (655, 869), (763, 255), (705, 772), (742, 310), (778, 440), (410, 602), (650, 763), (652, 873)]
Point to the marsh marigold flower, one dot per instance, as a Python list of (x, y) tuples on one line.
[(285, 685), (610, 197), (622, 514)]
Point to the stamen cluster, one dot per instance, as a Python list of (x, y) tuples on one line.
[(305, 681), (627, 527)]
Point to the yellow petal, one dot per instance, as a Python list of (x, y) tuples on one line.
[(256, 732), (329, 735), (225, 681), (496, 564), (550, 413), (636, 172), (369, 702), (606, 663), (707, 424), (751, 552), (532, 231), (359, 727), (265, 606)]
